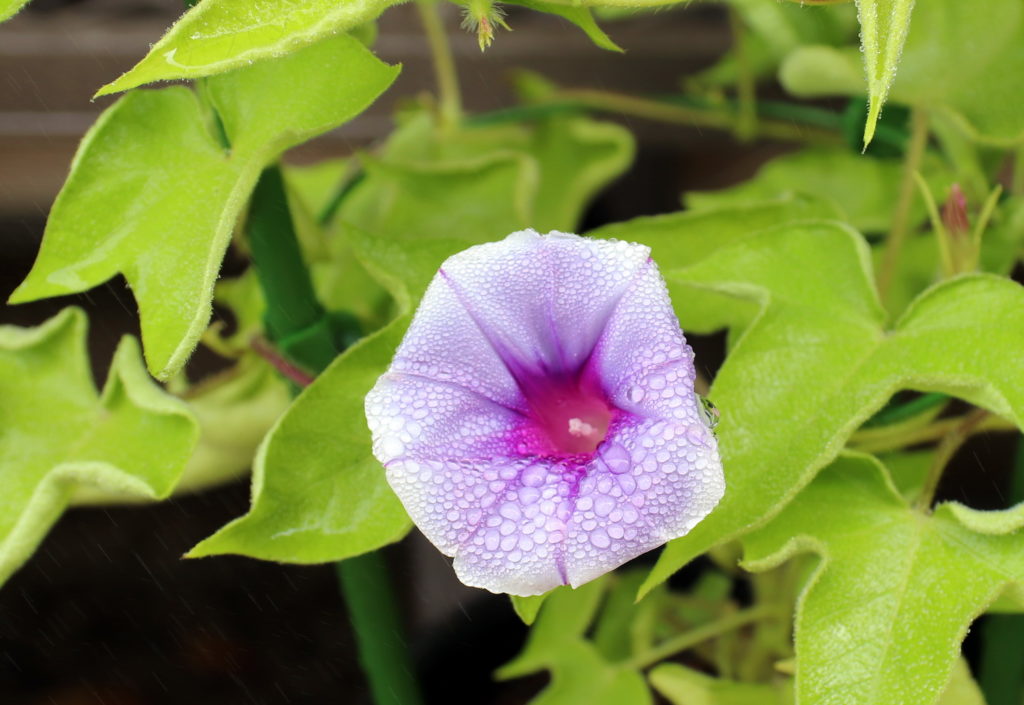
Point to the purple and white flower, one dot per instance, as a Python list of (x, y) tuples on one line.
[(539, 421)]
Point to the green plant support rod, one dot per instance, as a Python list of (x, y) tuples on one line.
[(303, 331)]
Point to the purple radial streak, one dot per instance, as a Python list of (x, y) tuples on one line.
[(538, 421)]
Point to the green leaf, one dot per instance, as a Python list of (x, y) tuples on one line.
[(402, 218), (576, 158), (221, 35), (130, 204), (235, 411), (579, 674), (883, 30), (582, 17), (430, 196), (961, 689), (527, 608), (897, 587), (340, 280), (908, 470), (318, 493), (980, 79), (680, 239), (817, 362), (563, 619), (865, 189), (772, 31), (9, 8), (58, 434), (684, 686)]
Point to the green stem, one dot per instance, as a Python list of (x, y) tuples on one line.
[(901, 216), (950, 444), (746, 85), (895, 413), (942, 236), (984, 218), (884, 440), (444, 64), (303, 331), (691, 116), (383, 653), (703, 633)]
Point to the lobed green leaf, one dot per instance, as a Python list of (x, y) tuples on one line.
[(882, 618), (222, 35), (816, 362), (57, 434), (153, 195)]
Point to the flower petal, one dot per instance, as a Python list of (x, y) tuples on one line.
[(543, 301), (652, 481), (504, 332)]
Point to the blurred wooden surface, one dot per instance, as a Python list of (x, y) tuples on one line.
[(53, 60)]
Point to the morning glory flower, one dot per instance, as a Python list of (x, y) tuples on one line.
[(538, 421)]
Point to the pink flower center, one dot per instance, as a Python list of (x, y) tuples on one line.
[(573, 415)]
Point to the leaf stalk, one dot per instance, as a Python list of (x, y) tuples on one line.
[(449, 94), (705, 632), (901, 216)]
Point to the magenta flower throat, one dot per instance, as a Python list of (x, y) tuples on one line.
[(538, 421)]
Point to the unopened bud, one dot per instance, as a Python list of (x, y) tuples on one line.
[(954, 213), (483, 17)]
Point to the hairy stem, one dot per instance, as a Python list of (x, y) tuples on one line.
[(444, 64), (901, 216), (948, 447), (703, 633), (691, 116)]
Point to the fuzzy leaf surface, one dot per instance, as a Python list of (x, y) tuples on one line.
[(318, 493), (58, 434), (222, 35), (882, 618), (883, 30), (153, 195), (821, 362), (864, 189)]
